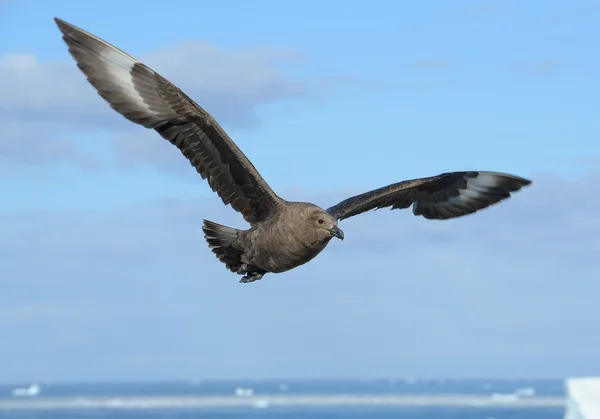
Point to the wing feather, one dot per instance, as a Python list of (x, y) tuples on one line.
[(146, 98), (448, 195)]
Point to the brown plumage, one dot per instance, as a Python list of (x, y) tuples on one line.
[(282, 234)]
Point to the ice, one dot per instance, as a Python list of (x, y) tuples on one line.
[(583, 398)]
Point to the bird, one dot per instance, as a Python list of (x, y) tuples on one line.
[(282, 234)]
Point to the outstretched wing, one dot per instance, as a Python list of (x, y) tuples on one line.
[(146, 98), (441, 197)]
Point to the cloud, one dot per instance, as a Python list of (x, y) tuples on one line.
[(133, 149), (47, 97), (42, 92), (229, 84), (509, 286), (25, 145)]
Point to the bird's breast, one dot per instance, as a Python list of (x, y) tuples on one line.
[(278, 250)]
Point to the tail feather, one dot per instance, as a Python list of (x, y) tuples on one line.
[(221, 239)]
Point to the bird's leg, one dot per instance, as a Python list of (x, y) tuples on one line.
[(252, 276)]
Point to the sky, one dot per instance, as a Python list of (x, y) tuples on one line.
[(105, 274)]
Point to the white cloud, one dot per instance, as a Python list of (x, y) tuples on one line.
[(24, 145), (42, 100), (229, 84)]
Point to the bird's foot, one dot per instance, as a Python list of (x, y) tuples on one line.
[(251, 277)]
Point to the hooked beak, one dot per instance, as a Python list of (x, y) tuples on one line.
[(336, 232)]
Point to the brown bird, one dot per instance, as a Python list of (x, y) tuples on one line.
[(282, 234)]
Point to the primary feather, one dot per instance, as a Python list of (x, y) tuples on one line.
[(448, 195), (146, 98)]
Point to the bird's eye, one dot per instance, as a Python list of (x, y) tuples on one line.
[(321, 221)]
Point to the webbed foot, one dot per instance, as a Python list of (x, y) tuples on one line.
[(251, 277)]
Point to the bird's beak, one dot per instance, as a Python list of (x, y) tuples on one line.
[(337, 232)]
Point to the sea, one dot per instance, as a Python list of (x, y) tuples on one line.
[(402, 398)]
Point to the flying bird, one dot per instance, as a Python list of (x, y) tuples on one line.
[(282, 235)]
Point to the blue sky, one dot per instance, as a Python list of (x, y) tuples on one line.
[(105, 270)]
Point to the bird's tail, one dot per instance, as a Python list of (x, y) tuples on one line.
[(221, 239)]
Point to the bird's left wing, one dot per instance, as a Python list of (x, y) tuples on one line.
[(449, 195)]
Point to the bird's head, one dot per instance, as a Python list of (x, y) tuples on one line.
[(323, 224)]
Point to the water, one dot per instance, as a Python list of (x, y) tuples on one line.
[(283, 388), (300, 413)]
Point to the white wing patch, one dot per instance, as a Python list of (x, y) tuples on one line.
[(484, 181), (478, 189), (118, 67)]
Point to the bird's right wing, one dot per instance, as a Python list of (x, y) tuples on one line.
[(144, 97), (449, 195)]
